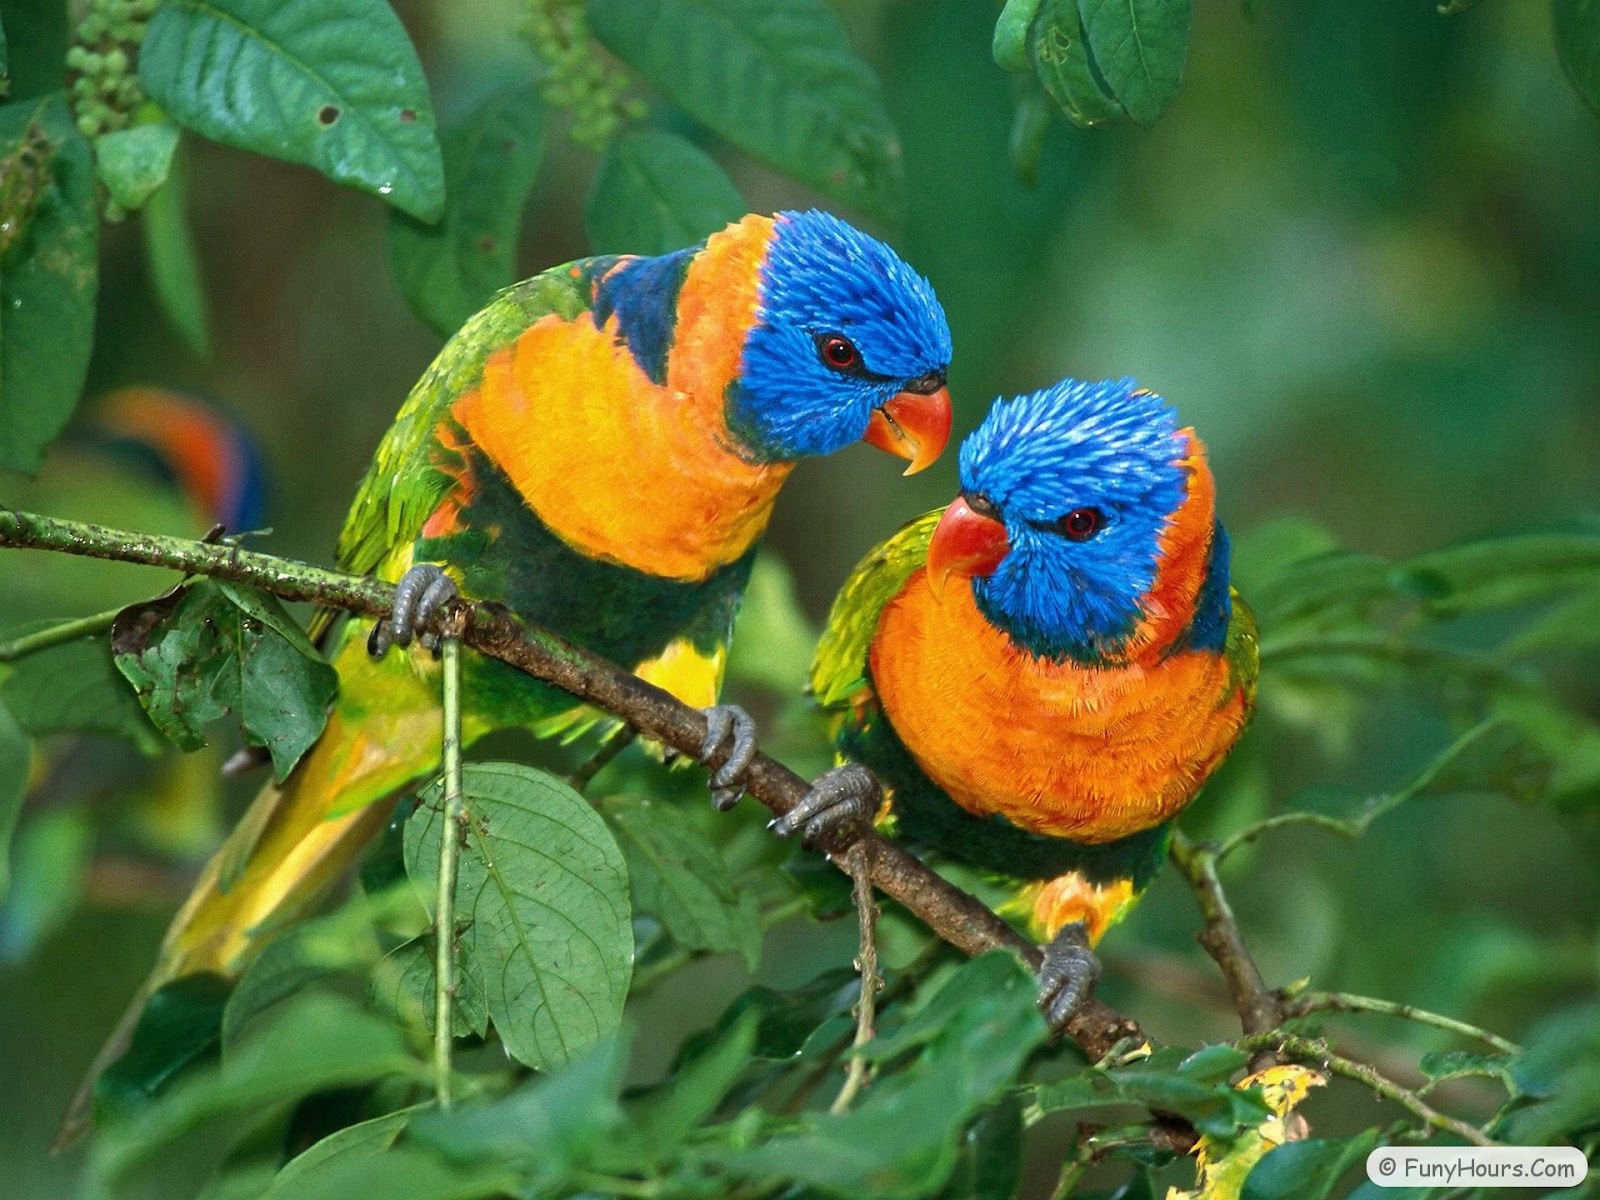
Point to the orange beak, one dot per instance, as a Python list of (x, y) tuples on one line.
[(964, 543), (914, 425)]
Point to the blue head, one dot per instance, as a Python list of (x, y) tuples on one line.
[(1065, 495), (850, 344)]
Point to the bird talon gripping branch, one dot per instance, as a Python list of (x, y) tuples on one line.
[(731, 731)]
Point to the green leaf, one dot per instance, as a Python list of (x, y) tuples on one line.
[(333, 84), (174, 262), (1058, 48), (207, 649), (75, 688), (655, 192), (1577, 30), (680, 878), (315, 1042), (49, 863), (542, 906), (1306, 1170), (777, 79), (549, 1126), (1195, 1087), (449, 270), (695, 1088), (772, 636), (901, 1139), (15, 756), (989, 1163), (408, 989), (1010, 46), (304, 1173), (134, 162), (1439, 1065), (1138, 48), (400, 1172), (1502, 572), (49, 263), (178, 1028)]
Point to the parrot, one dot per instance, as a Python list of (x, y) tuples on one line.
[(598, 450), (1042, 674)]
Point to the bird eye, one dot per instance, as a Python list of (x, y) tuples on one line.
[(1081, 524), (839, 353)]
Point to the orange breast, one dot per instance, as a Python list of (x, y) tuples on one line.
[(1059, 749)]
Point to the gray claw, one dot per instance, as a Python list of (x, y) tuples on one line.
[(844, 796), (729, 728), (1068, 974), (422, 591)]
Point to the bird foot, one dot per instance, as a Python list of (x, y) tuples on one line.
[(731, 730), (840, 798), (1068, 975), (422, 593)]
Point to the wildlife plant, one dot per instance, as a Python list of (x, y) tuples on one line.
[(480, 1014)]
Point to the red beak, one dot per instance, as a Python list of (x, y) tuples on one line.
[(964, 543), (914, 425)]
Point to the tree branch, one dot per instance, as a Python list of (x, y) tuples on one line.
[(951, 913), (1306, 1003), (1257, 1005)]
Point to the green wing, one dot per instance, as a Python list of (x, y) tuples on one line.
[(839, 667), (1243, 647), (402, 486)]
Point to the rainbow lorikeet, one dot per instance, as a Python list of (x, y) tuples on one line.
[(599, 450), (1044, 673)]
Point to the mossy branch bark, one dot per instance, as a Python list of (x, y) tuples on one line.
[(954, 915)]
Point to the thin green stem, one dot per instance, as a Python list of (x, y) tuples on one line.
[(55, 635), (1318, 1054), (1354, 827), (1313, 1002), (444, 929)]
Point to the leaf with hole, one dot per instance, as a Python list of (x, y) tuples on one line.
[(778, 79), (208, 649), (541, 907), (449, 269), (1058, 47), (332, 84)]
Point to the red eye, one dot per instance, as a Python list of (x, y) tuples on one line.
[(838, 353), (1081, 524)]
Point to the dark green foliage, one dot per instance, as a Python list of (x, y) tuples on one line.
[(49, 266), (1577, 31), (447, 270), (14, 758), (209, 649), (1309, 1169), (333, 84), (778, 79), (654, 192), (75, 688)]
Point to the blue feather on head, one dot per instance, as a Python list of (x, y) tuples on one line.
[(1085, 477), (825, 279)]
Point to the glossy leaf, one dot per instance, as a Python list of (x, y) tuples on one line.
[(680, 878), (655, 192), (49, 268), (1138, 48), (541, 905), (15, 756), (208, 649), (134, 162), (333, 84), (1577, 30), (449, 269), (174, 261), (178, 1028), (1307, 1170), (777, 78), (75, 688), (1059, 50)]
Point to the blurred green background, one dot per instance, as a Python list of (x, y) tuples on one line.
[(1360, 254)]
